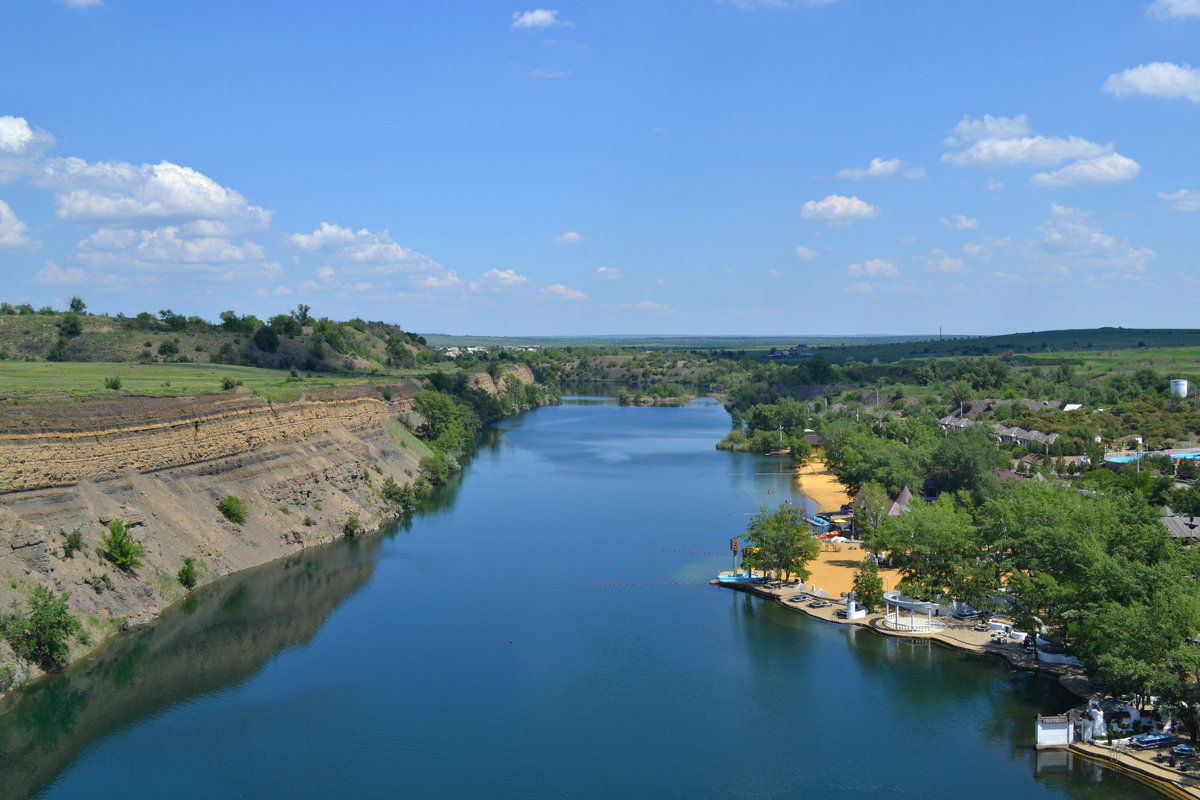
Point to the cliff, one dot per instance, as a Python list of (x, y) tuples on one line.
[(160, 464)]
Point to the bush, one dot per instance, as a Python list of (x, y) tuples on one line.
[(112, 383), (187, 573), (41, 637), (73, 544), (351, 528), (435, 469), (121, 548), (233, 509), (70, 324), (168, 347), (308, 521)]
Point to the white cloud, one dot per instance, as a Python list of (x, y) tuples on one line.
[(1068, 236), (495, 280), (116, 191), (861, 287), (325, 273), (837, 208), (878, 168), (278, 291), (560, 292), (571, 237), (13, 232), (441, 282), (53, 274), (875, 267), (322, 238), (538, 18), (805, 254), (774, 273), (1183, 200), (607, 274), (908, 238), (993, 185), (648, 305), (1111, 168), (1159, 79), (113, 247), (20, 147), (970, 129), (1174, 9), (960, 223), (550, 74), (938, 261), (1037, 151)]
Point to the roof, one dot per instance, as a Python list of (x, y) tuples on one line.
[(1180, 527), (899, 504)]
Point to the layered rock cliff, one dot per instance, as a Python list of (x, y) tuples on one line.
[(161, 465)]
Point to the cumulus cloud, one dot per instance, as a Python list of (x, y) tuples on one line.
[(805, 254), (1174, 9), (116, 191), (939, 261), (607, 274), (571, 237), (1069, 237), (1037, 151), (648, 305), (838, 208), (1112, 168), (20, 147), (1159, 79), (364, 251), (875, 267), (559, 292), (880, 168), (164, 246), (13, 232), (449, 280), (1093, 163), (970, 129), (495, 280), (960, 223), (538, 18), (52, 274), (1183, 200)]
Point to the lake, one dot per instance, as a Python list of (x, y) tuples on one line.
[(545, 630)]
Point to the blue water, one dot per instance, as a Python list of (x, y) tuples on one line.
[(547, 632)]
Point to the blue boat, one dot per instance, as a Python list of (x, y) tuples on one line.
[(817, 521), (740, 577)]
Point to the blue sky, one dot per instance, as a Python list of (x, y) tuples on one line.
[(692, 167)]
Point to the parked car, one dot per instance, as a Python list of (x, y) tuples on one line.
[(1183, 751)]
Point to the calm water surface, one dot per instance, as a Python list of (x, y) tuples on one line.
[(548, 632)]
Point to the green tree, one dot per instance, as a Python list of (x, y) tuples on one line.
[(41, 636), (445, 423), (780, 540), (77, 305), (188, 574), (868, 585), (121, 548), (869, 511), (233, 509), (435, 469), (70, 324)]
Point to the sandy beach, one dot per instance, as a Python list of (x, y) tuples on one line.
[(819, 483)]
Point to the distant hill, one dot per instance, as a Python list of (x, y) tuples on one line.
[(285, 341)]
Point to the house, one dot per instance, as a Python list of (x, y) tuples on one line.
[(899, 504), (1180, 527)]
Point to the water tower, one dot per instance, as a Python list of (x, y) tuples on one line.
[(1178, 388)]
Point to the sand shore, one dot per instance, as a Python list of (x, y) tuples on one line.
[(820, 485)]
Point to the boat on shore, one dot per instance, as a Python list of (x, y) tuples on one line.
[(739, 577)]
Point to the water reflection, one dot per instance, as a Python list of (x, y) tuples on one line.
[(221, 635)]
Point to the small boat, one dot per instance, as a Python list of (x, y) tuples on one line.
[(740, 577), (817, 521)]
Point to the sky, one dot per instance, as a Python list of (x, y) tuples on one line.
[(703, 167)]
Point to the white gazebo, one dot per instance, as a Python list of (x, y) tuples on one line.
[(920, 617)]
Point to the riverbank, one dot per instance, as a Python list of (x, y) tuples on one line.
[(820, 484)]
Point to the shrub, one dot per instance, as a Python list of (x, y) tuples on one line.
[(385, 391), (187, 573), (227, 383), (70, 324), (112, 383), (121, 548), (41, 637), (308, 521), (233, 509), (351, 528), (73, 544), (434, 469), (168, 347)]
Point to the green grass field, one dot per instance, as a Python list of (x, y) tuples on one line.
[(39, 378)]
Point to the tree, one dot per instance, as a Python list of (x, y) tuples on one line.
[(783, 541), (188, 574), (70, 324), (446, 424), (868, 586), (965, 460), (869, 511), (121, 548), (77, 305), (41, 637)]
